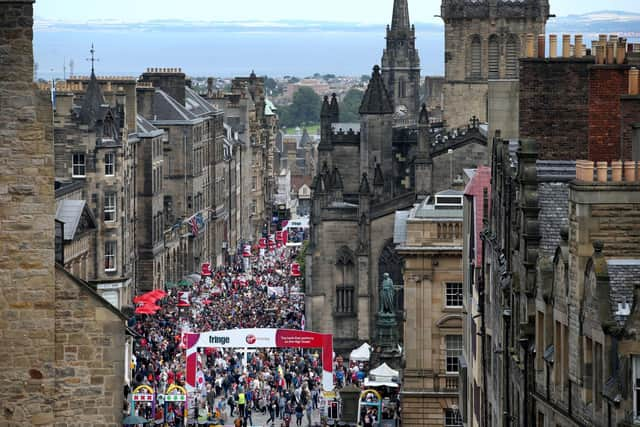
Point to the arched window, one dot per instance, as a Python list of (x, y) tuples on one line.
[(512, 55), (402, 88), (345, 279), (494, 57), (475, 58)]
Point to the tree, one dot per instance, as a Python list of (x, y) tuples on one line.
[(350, 106), (294, 80), (365, 78), (305, 109)]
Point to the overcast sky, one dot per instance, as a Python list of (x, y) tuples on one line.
[(366, 11)]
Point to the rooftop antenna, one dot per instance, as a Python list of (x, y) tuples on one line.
[(64, 68), (93, 58)]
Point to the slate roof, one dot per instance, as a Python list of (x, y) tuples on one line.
[(400, 227), (70, 212), (145, 128), (93, 105), (196, 104), (624, 276), (166, 108), (553, 199), (376, 99)]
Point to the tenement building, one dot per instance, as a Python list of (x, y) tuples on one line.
[(194, 169), (366, 172), (483, 41), (253, 122), (429, 239), (62, 358), (92, 148)]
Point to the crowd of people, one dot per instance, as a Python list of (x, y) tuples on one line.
[(283, 383)]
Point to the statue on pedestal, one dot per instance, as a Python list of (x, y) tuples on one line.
[(387, 296)]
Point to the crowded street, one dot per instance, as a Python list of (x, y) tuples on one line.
[(260, 387)]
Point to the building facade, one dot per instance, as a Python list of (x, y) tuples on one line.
[(429, 239), (483, 41), (92, 147), (60, 338), (352, 208)]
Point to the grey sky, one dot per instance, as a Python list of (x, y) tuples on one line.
[(366, 11)]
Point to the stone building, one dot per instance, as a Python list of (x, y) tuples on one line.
[(539, 327), (92, 147), (62, 358), (253, 118), (352, 207), (483, 41), (79, 230), (477, 197), (150, 218), (194, 168), (429, 239)]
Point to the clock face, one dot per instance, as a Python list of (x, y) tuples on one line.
[(402, 110)]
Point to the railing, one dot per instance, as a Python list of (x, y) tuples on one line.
[(446, 383)]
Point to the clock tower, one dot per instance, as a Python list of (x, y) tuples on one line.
[(401, 65)]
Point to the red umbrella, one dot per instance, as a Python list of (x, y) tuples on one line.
[(145, 298), (158, 293), (147, 309)]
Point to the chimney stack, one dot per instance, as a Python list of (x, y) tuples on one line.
[(566, 45), (610, 52), (553, 46)]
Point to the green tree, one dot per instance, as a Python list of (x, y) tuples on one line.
[(350, 106), (365, 78), (305, 109)]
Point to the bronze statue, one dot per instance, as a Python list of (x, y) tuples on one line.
[(387, 295)]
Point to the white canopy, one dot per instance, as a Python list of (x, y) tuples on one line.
[(368, 383), (384, 374), (361, 354)]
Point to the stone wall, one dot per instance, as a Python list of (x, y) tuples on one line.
[(554, 106), (89, 349), (503, 109), (463, 100), (27, 211)]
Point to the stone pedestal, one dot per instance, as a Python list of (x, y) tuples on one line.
[(387, 331), (387, 340)]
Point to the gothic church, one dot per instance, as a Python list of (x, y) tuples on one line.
[(367, 172)]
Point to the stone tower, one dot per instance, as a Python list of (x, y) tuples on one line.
[(483, 41), (27, 215), (401, 65)]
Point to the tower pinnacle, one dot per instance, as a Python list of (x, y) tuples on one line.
[(400, 19)]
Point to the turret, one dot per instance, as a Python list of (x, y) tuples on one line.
[(334, 110), (325, 127), (376, 137), (424, 162)]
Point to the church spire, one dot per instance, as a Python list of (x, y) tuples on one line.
[(400, 15)]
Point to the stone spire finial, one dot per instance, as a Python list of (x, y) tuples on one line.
[(400, 19), (376, 99), (364, 185)]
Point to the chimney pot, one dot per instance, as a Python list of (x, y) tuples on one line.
[(603, 168), (630, 171), (610, 52), (600, 55), (633, 81), (553, 46), (541, 46), (566, 45), (530, 46), (621, 51), (616, 171), (579, 47)]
